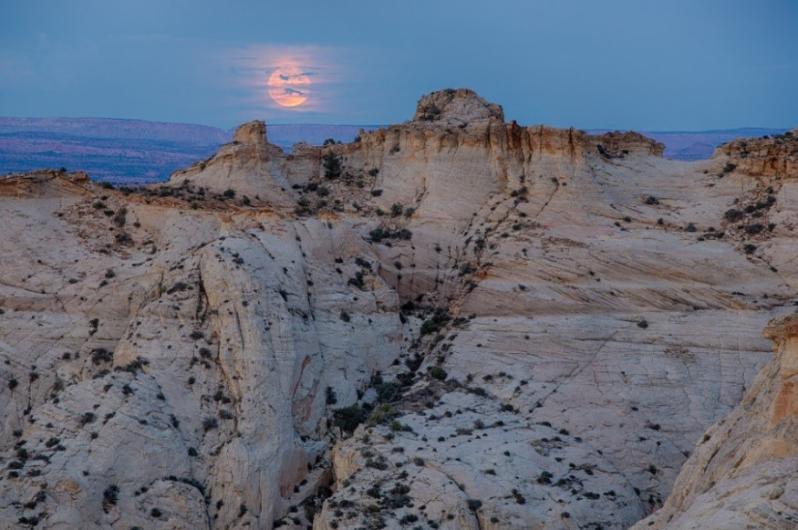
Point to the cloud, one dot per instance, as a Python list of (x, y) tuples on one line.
[(251, 66)]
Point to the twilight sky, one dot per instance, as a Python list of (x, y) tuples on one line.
[(639, 64)]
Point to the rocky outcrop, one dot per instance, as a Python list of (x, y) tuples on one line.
[(460, 107), (742, 474), (248, 166), (775, 156), (455, 322), (43, 182)]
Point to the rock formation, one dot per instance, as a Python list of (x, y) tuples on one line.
[(743, 472), (455, 322)]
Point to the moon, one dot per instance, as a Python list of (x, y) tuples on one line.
[(288, 86)]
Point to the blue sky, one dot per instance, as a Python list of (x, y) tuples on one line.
[(629, 64)]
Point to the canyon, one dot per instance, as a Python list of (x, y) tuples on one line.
[(455, 322)]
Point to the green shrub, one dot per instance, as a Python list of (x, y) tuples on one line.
[(436, 372), (435, 323), (348, 418), (110, 497), (332, 165)]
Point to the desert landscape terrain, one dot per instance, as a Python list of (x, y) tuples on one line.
[(455, 322)]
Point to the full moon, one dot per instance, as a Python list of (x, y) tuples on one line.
[(288, 86)]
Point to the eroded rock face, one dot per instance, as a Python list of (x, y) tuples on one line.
[(743, 472), (455, 323), (768, 156), (248, 166), (251, 133), (456, 107)]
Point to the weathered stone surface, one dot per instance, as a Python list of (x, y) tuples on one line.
[(456, 107), (767, 156), (455, 323), (742, 474)]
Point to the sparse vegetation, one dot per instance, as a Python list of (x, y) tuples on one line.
[(332, 165), (379, 234), (110, 497), (348, 418), (436, 322), (436, 372)]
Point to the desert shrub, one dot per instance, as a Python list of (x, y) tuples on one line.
[(467, 268), (331, 398), (518, 497), (209, 424), (110, 497), (332, 165), (387, 392), (120, 217), (429, 112), (101, 355), (87, 417), (436, 372), (436, 322), (408, 519), (474, 504), (229, 193), (348, 418), (733, 215), (382, 413), (357, 281)]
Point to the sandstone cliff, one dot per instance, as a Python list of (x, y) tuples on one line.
[(743, 472), (455, 322)]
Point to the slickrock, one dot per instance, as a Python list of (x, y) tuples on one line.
[(743, 472), (248, 166), (455, 322)]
